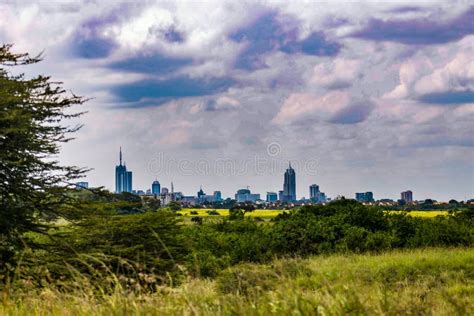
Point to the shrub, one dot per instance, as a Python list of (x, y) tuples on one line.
[(197, 220), (151, 244)]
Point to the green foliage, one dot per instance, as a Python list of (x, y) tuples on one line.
[(226, 243), (341, 226), (33, 185), (236, 214), (174, 206), (147, 244)]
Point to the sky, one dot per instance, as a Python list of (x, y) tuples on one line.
[(358, 96)]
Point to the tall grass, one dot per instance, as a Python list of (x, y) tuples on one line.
[(418, 282)]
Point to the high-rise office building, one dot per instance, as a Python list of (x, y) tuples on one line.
[(407, 196), (280, 196), (313, 191), (365, 197), (155, 187), (123, 178), (217, 196), (289, 185), (272, 197), (244, 195)]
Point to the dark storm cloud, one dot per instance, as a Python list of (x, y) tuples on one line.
[(170, 89), (91, 47), (151, 64), (424, 31), (267, 34), (355, 113), (450, 97)]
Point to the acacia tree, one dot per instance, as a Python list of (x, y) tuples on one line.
[(34, 186)]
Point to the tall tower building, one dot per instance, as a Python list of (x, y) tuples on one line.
[(313, 192), (156, 187), (123, 178), (289, 185), (407, 196)]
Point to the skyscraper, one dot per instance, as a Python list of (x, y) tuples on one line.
[(123, 178), (289, 185), (156, 187), (217, 196), (313, 192), (407, 196)]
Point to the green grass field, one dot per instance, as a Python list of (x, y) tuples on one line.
[(273, 213), (418, 282)]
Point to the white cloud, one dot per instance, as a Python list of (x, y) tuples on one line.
[(336, 74), (299, 106), (444, 70)]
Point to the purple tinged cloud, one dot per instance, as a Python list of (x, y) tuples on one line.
[(267, 34), (421, 31), (154, 63), (354, 113), (89, 41)]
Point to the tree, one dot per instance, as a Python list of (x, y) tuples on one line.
[(174, 206), (34, 186)]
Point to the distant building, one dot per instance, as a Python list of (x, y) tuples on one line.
[(366, 197), (201, 194), (189, 200), (123, 178), (82, 185), (313, 191), (166, 196), (272, 197), (407, 196), (321, 197), (280, 196), (289, 185), (244, 195), (217, 196), (156, 187)]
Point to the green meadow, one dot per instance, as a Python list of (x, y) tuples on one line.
[(437, 281)]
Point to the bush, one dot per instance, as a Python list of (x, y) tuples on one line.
[(196, 219), (150, 244), (236, 214)]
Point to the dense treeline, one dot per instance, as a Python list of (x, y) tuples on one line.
[(341, 226)]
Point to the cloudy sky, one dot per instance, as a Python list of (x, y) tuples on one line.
[(359, 96)]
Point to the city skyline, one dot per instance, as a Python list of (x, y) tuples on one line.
[(123, 183), (348, 92)]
